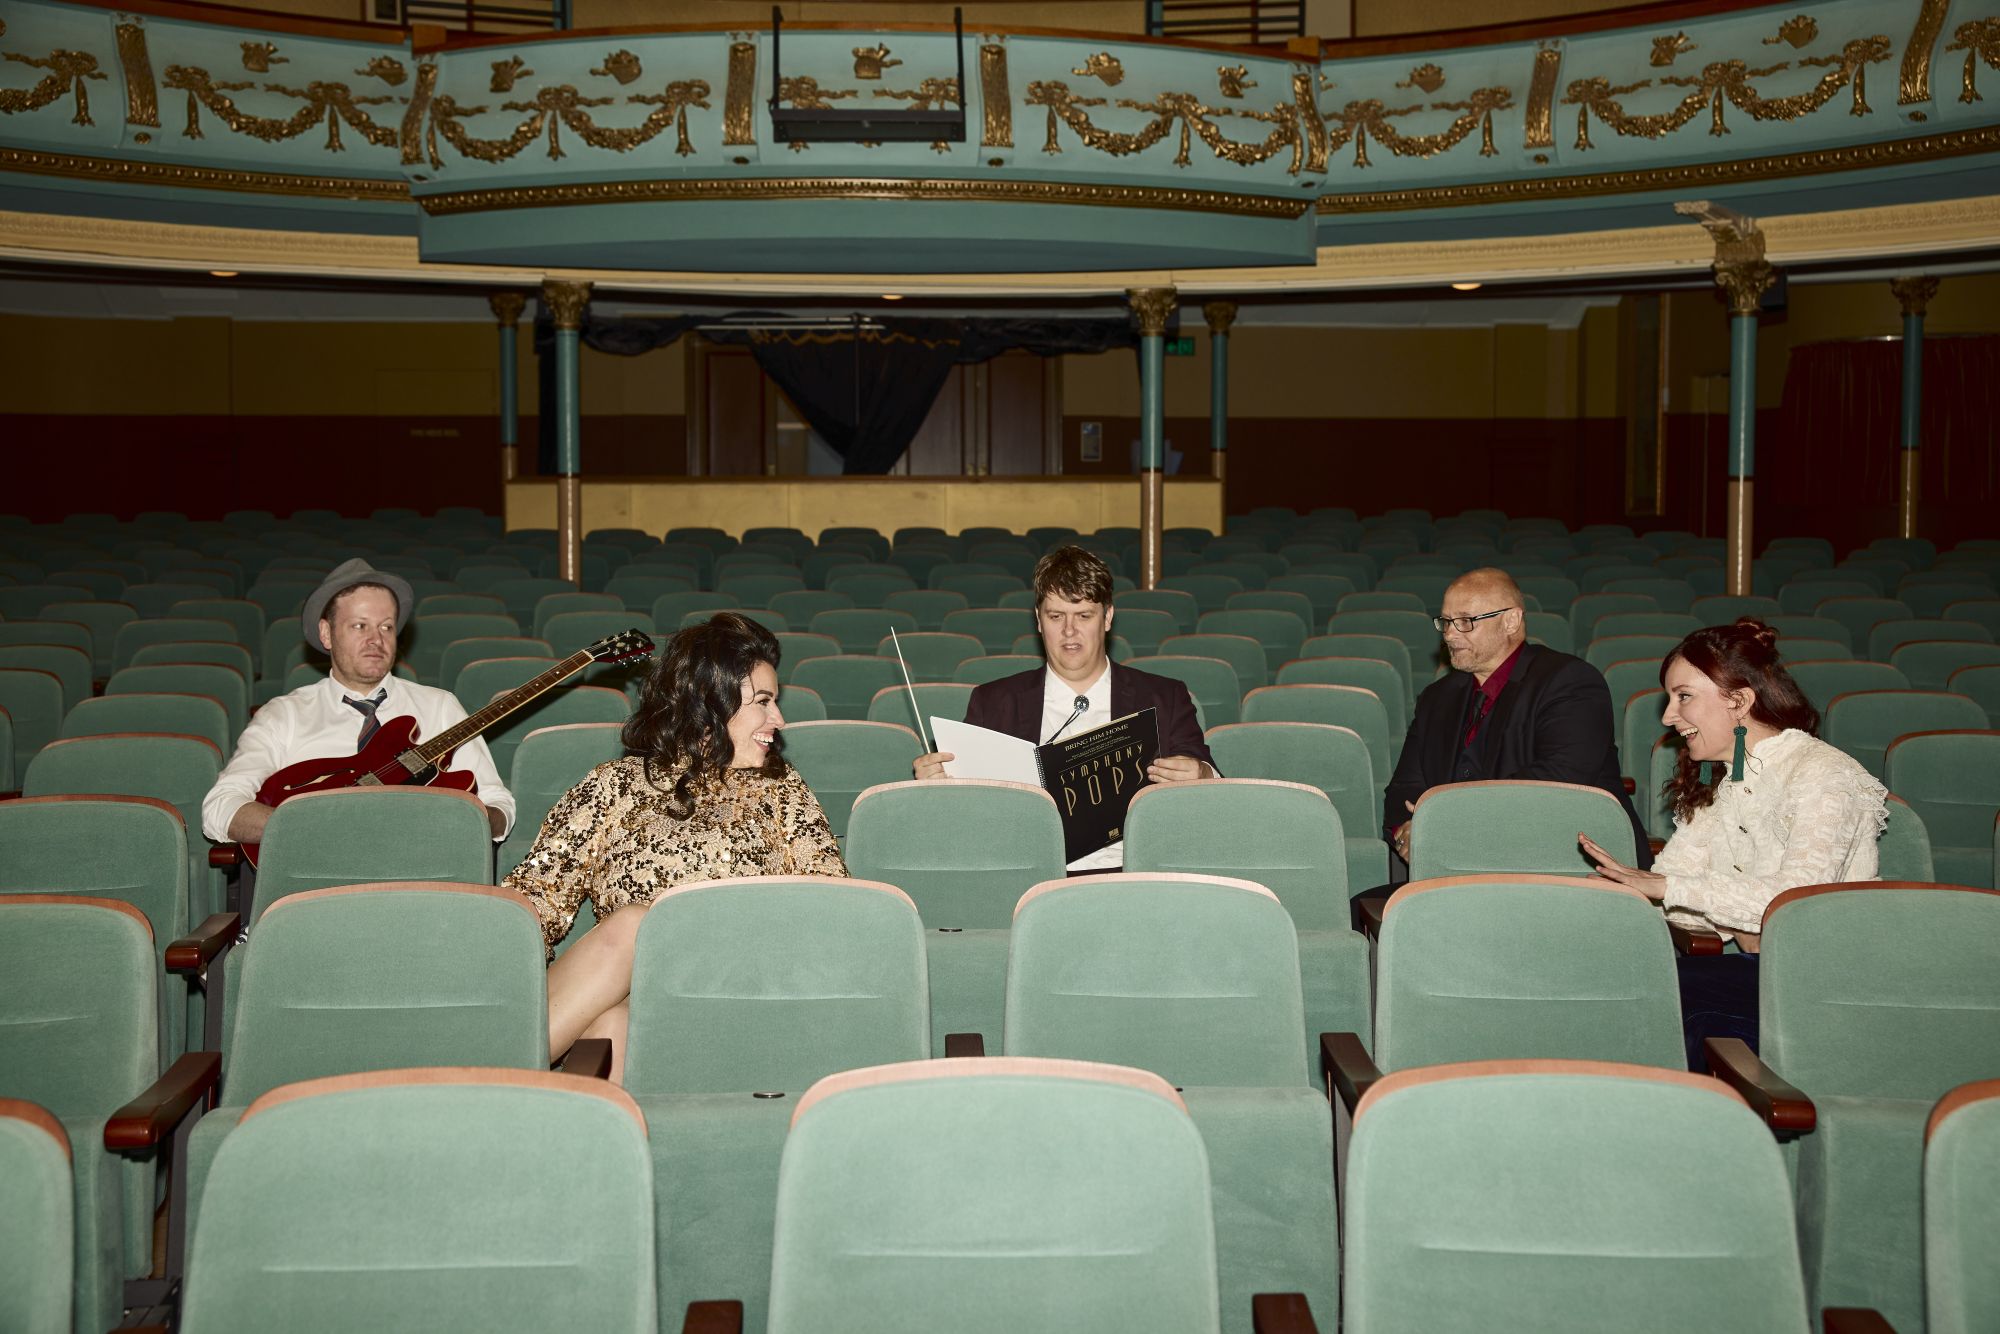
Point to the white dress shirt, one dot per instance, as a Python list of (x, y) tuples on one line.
[(312, 723), (1058, 705)]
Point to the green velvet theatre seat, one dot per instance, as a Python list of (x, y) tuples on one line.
[(1286, 837), (362, 835), (374, 977), (1565, 1197), (1081, 1202), (1875, 999), (79, 1037), (744, 993), (1962, 1210), (1521, 825), (458, 1198), (1195, 978), (38, 1226), (1333, 759), (843, 757)]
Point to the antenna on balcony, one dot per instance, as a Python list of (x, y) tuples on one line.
[(838, 125)]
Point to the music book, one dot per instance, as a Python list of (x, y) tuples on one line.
[(1092, 775)]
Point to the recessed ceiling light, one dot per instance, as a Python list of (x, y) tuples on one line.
[(1466, 287), (892, 296), (222, 273)]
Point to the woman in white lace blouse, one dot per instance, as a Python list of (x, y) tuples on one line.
[(1780, 809)]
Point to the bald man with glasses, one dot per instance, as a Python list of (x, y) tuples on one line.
[(1508, 709)]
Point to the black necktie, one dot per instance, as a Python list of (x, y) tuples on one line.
[(366, 707)]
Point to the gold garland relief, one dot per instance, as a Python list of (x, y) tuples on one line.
[(1360, 119), (1726, 83), (331, 103), (1980, 40), (68, 72), (1065, 107), (562, 106)]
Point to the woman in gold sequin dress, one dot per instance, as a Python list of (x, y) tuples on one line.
[(702, 794)]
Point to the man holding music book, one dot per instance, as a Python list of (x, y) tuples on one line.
[(1058, 709), (355, 617)]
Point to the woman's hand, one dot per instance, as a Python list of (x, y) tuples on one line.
[(1610, 868), (932, 765)]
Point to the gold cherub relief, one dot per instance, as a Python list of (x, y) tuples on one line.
[(1427, 77), (1800, 30), (258, 57), (1667, 49), (1234, 79), (620, 65), (870, 61), (1103, 66), (505, 72)]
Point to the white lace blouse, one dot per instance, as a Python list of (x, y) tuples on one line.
[(1804, 814)]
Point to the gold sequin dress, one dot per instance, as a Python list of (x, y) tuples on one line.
[(614, 839)]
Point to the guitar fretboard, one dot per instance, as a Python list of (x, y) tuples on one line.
[(430, 752)]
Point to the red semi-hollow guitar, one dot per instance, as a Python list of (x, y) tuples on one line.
[(391, 759)]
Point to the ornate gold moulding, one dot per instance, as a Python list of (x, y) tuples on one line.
[(182, 176), (1855, 157), (843, 187)]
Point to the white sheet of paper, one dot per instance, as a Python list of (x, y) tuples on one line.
[(981, 752)]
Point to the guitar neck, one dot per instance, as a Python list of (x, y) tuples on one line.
[(457, 735)]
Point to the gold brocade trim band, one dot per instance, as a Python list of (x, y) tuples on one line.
[(1857, 157), (824, 187), (201, 178)]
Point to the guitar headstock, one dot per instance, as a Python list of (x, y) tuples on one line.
[(634, 643)]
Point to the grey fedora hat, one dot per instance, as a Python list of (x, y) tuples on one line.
[(344, 577)]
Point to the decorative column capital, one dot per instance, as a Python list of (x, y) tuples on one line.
[(1220, 315), (566, 302), (507, 307), (1915, 293), (1740, 267), (1154, 306)]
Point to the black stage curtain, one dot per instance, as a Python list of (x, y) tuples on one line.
[(865, 389)]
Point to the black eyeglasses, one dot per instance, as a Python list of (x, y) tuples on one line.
[(1463, 624)]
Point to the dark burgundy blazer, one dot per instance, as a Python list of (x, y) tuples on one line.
[(1552, 721), (1013, 704)]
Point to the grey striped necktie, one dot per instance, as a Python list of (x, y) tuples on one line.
[(367, 707)]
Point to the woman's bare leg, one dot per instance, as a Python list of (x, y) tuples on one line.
[(613, 1024), (592, 977)]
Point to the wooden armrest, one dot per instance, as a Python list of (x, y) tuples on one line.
[(713, 1318), (1630, 786), (13, 795), (1347, 1066), (964, 1044), (1855, 1320), (1367, 913), (225, 855), (197, 949), (1787, 1111), (1658, 845), (1282, 1313), (142, 1123), (1693, 939), (589, 1057)]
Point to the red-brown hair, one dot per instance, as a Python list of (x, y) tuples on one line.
[(1743, 656)]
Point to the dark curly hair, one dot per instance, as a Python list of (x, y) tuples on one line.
[(1743, 656), (694, 689)]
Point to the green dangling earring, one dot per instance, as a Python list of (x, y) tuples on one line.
[(1736, 760)]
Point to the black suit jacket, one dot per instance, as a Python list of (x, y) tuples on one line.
[(1013, 704), (1552, 722)]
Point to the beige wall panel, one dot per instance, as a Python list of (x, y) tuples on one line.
[(1598, 359), (124, 367), (1099, 15), (1521, 357), (651, 384), (285, 369), (883, 503), (1105, 384)]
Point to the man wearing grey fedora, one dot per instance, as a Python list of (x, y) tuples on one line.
[(354, 617)]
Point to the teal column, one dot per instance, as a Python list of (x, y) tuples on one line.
[(566, 303), (507, 308), (1914, 294), (1154, 305), (1220, 316)]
